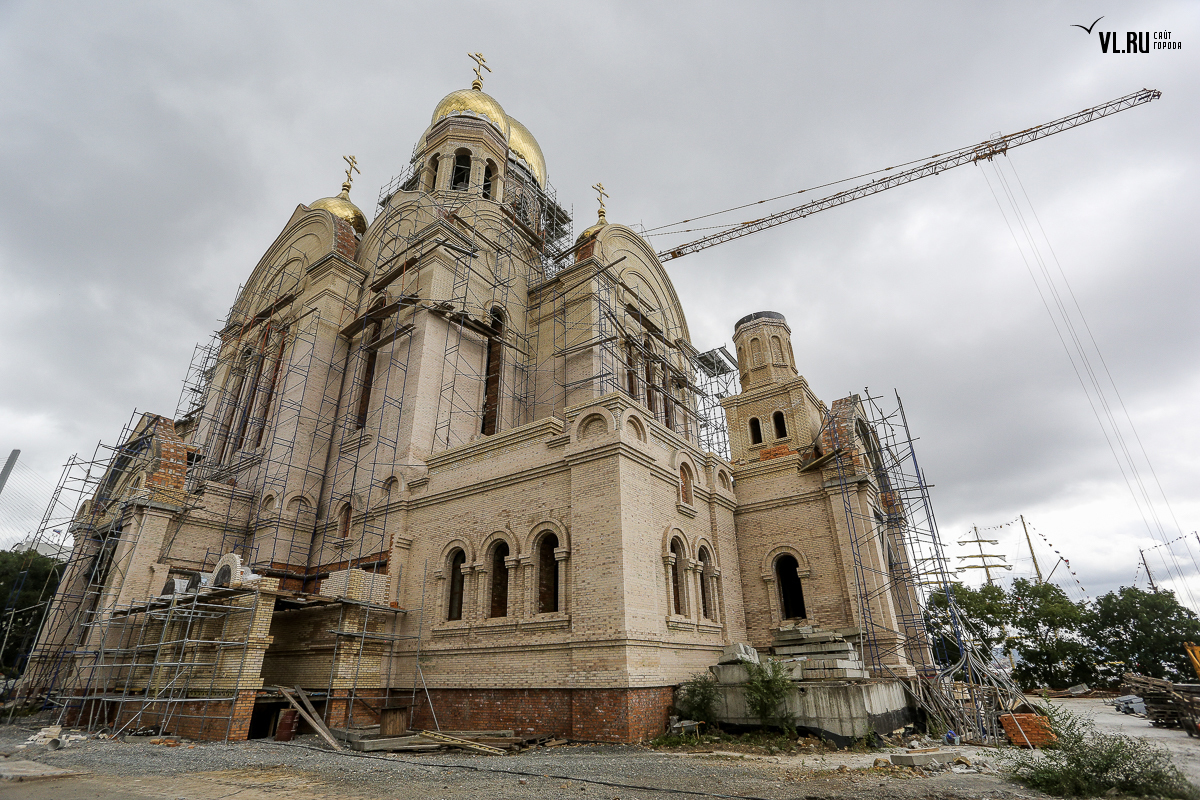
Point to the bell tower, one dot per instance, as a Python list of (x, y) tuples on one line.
[(764, 349)]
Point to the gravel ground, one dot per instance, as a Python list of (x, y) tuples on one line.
[(263, 770), (136, 769)]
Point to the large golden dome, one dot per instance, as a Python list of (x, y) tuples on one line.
[(522, 143), (342, 208), (473, 102)]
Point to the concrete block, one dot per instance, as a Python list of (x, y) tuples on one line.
[(737, 653), (730, 673), (919, 758)]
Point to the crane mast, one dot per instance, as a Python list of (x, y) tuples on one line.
[(934, 166)]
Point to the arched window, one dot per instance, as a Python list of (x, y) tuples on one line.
[(495, 361), (668, 401), (776, 350), (705, 577), (685, 484), (343, 527), (677, 593), (461, 179), (489, 175), (631, 369), (454, 608), (755, 431), (756, 352), (275, 369), (723, 479), (368, 377), (780, 425), (499, 581), (249, 392), (431, 175), (547, 575), (648, 362), (791, 593)]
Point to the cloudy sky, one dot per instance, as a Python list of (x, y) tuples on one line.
[(152, 151)]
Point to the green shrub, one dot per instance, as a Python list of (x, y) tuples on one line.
[(698, 698), (767, 690), (1086, 763)]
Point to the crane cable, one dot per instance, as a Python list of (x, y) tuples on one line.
[(1081, 364)]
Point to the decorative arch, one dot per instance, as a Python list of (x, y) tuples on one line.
[(460, 178), (676, 562), (724, 482), (768, 562), (687, 484), (546, 525), (587, 417), (633, 422), (299, 503), (674, 532), (594, 425)]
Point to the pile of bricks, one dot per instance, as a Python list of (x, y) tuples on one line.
[(1028, 730)]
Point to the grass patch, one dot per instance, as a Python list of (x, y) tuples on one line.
[(1086, 763)]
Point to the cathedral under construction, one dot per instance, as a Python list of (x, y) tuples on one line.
[(460, 461)]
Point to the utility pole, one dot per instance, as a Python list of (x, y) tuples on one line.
[(1033, 555), (8, 468), (1149, 575)]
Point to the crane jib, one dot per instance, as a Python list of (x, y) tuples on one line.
[(937, 164)]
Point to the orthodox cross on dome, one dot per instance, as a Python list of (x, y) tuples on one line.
[(600, 195), (350, 170), (480, 63)]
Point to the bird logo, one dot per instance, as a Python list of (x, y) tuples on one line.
[(1088, 29)]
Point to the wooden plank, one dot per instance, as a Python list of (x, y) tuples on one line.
[(317, 725), (464, 743), (308, 704), (395, 743)]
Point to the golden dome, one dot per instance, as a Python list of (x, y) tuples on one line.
[(592, 231), (472, 102), (522, 143), (342, 208)]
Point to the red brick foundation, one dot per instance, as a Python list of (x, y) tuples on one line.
[(590, 715), (200, 720)]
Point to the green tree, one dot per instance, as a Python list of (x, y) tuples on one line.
[(34, 578), (1047, 636), (1146, 631), (983, 613)]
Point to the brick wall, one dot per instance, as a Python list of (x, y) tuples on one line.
[(593, 715), (202, 720)]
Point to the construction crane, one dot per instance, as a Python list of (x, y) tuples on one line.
[(935, 165)]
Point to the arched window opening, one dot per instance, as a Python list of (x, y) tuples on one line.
[(755, 431), (495, 361), (431, 175), (547, 575), (461, 180), (780, 425), (705, 577), (677, 596), (723, 479), (499, 581), (685, 484), (631, 369), (249, 393), (455, 608), (368, 377), (343, 527), (668, 401), (791, 593), (756, 352), (271, 389), (648, 362), (776, 350), (489, 174)]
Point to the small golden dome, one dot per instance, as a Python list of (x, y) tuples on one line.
[(472, 102), (342, 208), (522, 143), (592, 231)]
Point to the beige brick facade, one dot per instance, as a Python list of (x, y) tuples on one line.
[(457, 464)]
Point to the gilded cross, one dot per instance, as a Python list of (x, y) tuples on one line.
[(480, 63), (600, 195), (353, 162)]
